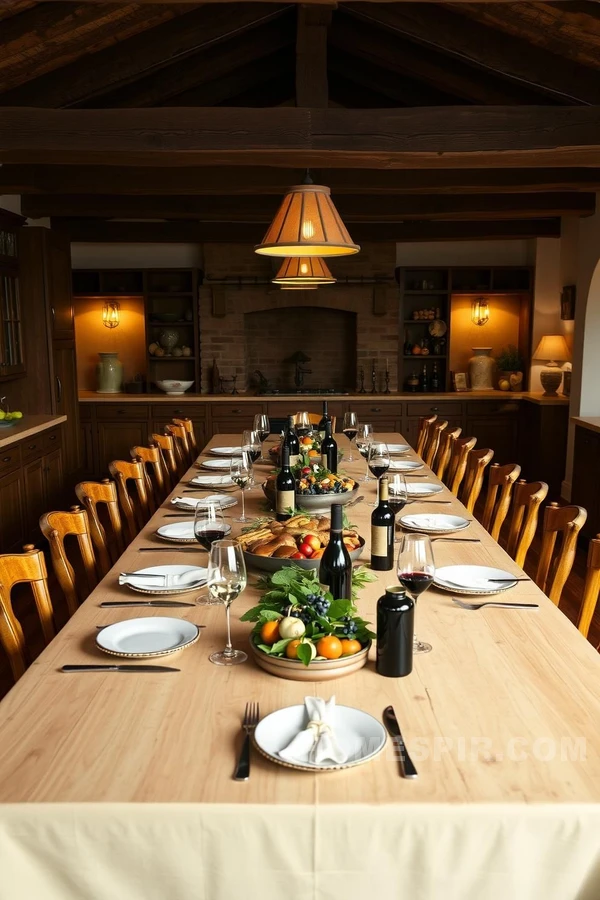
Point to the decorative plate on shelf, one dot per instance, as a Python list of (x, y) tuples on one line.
[(437, 328)]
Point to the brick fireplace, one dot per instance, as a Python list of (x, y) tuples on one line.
[(246, 326)]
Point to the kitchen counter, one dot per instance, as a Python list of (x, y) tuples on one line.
[(533, 397), (591, 423), (27, 427)]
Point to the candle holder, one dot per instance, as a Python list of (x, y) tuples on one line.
[(373, 380), (232, 381), (361, 378), (387, 382)]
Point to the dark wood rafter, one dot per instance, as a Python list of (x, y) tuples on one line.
[(246, 181), (352, 208), (488, 49), (251, 233), (311, 56), (471, 137)]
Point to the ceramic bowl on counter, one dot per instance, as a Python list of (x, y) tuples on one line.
[(174, 388)]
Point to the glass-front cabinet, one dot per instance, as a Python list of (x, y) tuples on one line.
[(12, 353)]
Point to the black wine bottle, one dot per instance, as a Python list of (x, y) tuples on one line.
[(290, 440), (382, 531), (424, 380), (395, 632), (435, 378), (325, 418), (285, 489), (335, 571), (329, 449)]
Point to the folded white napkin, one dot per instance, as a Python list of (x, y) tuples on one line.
[(193, 502), (317, 743), (149, 580)]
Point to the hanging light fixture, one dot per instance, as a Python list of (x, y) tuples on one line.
[(298, 287), (303, 270), (307, 224), (110, 313), (480, 311)]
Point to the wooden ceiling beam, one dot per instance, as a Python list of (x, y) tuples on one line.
[(311, 56), (250, 181), (352, 208), (145, 54), (487, 48), (197, 232), (448, 137)]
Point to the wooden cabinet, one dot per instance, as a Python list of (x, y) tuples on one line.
[(383, 415), (57, 273), (115, 440), (495, 425), (542, 444), (65, 379), (35, 494), (12, 511), (585, 487)]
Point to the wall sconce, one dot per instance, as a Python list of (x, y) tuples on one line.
[(110, 313), (480, 311)]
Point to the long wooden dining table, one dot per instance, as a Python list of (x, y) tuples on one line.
[(119, 787)]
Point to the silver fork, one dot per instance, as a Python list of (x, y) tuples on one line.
[(251, 716), (464, 605)]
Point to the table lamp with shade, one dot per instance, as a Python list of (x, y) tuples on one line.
[(554, 349)]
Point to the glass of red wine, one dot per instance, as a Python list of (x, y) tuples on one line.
[(397, 494), (416, 570), (262, 425), (378, 460), (251, 445), (350, 429), (364, 436), (209, 525)]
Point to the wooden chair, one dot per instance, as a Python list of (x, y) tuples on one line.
[(154, 466), (435, 435), (90, 494), (461, 448), (527, 499), (447, 440), (591, 587), (189, 427), (16, 568), (500, 479), (477, 461), (315, 418), (166, 445), (424, 434), (182, 447), (554, 569), (56, 526), (125, 473)]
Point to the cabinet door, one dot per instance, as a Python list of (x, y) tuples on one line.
[(35, 494), (12, 507), (585, 488), (115, 440), (499, 435), (67, 403), (57, 263), (53, 478), (87, 448)]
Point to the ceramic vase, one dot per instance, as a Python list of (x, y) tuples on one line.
[(110, 373), (481, 369), (168, 339)]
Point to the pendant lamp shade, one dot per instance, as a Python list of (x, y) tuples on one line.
[(298, 287), (307, 224), (303, 270)]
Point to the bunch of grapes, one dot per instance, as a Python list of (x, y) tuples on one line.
[(350, 627), (319, 604), (301, 613)]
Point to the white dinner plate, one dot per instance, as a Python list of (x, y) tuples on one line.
[(423, 488), (212, 480), (473, 579), (360, 735), (190, 503), (405, 465), (190, 579), (216, 464), (150, 636), (433, 523), (226, 451), (181, 532), (398, 448)]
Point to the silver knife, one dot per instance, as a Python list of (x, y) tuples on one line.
[(157, 603), (407, 768), (119, 668)]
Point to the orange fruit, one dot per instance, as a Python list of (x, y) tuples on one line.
[(291, 651), (270, 632), (330, 647), (313, 453), (350, 646), (317, 554), (306, 441)]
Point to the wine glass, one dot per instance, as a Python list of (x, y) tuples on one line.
[(364, 436), (350, 429), (241, 474), (251, 445), (397, 494), (209, 525), (416, 570), (226, 580), (302, 424), (262, 425), (378, 460)]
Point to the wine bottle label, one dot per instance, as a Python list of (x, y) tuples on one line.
[(324, 460), (285, 500), (379, 540), (294, 459)]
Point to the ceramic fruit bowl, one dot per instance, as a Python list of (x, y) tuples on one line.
[(317, 670), (174, 388), (313, 502), (274, 563)]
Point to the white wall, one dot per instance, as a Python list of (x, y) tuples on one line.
[(132, 256), (466, 253)]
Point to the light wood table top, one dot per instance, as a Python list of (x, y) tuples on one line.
[(493, 714)]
